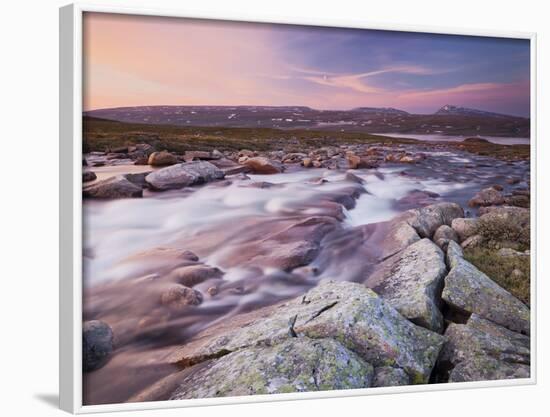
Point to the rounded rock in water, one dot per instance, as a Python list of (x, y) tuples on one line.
[(97, 344)]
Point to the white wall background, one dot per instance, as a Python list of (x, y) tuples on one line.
[(29, 195)]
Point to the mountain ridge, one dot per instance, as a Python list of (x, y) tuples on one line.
[(449, 120)]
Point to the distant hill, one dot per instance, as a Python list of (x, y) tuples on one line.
[(449, 120), (380, 110), (449, 109)]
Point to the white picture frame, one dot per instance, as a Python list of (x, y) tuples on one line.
[(70, 153)]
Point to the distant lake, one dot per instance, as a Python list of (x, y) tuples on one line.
[(450, 138)]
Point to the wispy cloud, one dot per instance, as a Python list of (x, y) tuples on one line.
[(460, 89), (357, 82)]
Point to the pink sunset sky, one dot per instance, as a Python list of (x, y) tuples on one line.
[(140, 60)]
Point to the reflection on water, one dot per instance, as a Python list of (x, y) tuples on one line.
[(501, 140)]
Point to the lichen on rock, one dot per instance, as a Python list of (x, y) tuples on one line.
[(294, 365), (346, 312), (468, 289), (411, 282), (481, 350)]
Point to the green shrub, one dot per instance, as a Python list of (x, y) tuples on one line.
[(500, 269), (498, 232)]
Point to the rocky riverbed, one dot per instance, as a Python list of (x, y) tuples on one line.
[(236, 273)]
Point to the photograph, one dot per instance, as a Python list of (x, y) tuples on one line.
[(273, 208)]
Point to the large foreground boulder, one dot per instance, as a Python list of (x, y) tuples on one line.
[(183, 175), (467, 289), (114, 187), (347, 312), (97, 344), (411, 281), (481, 350), (295, 365), (397, 236)]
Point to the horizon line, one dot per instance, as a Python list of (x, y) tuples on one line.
[(309, 107)]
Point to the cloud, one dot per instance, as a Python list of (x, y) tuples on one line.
[(460, 89), (144, 60), (357, 81)]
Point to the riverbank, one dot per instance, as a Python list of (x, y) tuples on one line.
[(208, 239)]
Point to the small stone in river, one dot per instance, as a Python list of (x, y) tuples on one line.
[(191, 275), (88, 176), (212, 291), (97, 344), (114, 187), (180, 296), (350, 176), (162, 158)]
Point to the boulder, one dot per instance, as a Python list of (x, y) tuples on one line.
[(192, 275), (261, 165), (481, 351), (114, 187), (464, 227), (353, 160), (183, 175), (179, 296), (293, 158), (245, 152), (97, 344), (520, 214), (469, 290), (286, 256), (346, 312), (518, 201), (411, 280), (388, 376), (407, 159), (141, 160), (443, 235), (426, 220), (189, 156), (515, 216), (351, 177), (163, 158), (398, 236), (88, 176), (138, 178), (295, 365), (307, 162), (487, 197), (237, 169)]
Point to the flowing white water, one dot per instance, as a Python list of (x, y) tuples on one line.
[(115, 230)]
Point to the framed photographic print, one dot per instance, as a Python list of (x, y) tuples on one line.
[(261, 210)]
